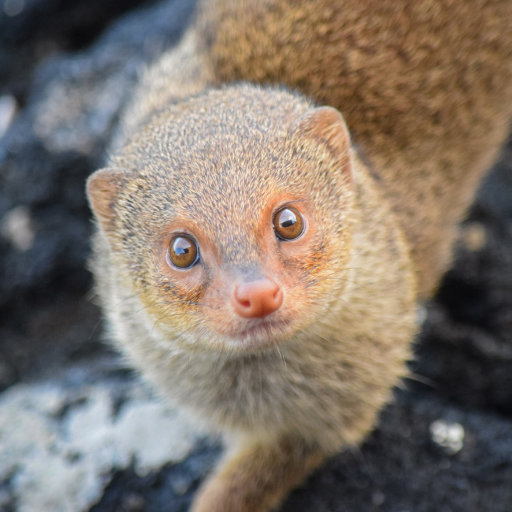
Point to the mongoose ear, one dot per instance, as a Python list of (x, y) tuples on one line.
[(103, 189), (327, 126)]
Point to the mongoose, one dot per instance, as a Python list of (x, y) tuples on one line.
[(285, 187)]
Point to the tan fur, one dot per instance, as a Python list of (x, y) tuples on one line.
[(245, 483), (420, 89)]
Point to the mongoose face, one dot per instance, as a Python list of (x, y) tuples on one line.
[(232, 225)]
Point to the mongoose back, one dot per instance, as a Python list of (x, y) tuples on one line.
[(261, 266)]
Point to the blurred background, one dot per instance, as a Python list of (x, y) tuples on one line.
[(70, 435)]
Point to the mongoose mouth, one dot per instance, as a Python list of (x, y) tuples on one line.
[(259, 334)]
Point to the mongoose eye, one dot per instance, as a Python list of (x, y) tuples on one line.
[(182, 252), (288, 224)]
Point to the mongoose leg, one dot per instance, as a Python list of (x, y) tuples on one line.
[(256, 478)]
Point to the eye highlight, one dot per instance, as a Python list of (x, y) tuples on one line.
[(288, 223), (182, 252)]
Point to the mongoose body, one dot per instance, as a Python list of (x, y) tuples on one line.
[(258, 268)]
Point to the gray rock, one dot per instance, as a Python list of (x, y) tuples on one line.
[(61, 445)]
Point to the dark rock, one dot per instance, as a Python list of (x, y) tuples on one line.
[(36, 29), (399, 468)]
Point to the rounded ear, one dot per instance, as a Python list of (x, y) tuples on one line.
[(326, 126), (103, 190)]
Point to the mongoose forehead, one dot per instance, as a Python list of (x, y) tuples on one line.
[(226, 152)]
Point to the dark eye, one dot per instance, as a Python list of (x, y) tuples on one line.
[(288, 224), (183, 252)]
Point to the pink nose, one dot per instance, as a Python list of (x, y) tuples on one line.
[(257, 299)]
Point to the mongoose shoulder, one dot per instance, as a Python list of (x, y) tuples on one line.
[(261, 266)]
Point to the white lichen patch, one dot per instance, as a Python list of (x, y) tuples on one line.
[(58, 449), (450, 436)]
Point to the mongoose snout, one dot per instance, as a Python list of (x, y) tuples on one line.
[(257, 299)]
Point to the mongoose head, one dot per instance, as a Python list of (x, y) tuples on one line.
[(228, 214)]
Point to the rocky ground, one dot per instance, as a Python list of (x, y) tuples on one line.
[(79, 432)]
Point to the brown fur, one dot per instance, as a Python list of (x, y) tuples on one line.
[(425, 87), (421, 95)]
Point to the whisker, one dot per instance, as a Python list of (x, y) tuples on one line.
[(281, 356), (122, 302), (309, 330), (422, 379), (93, 330)]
